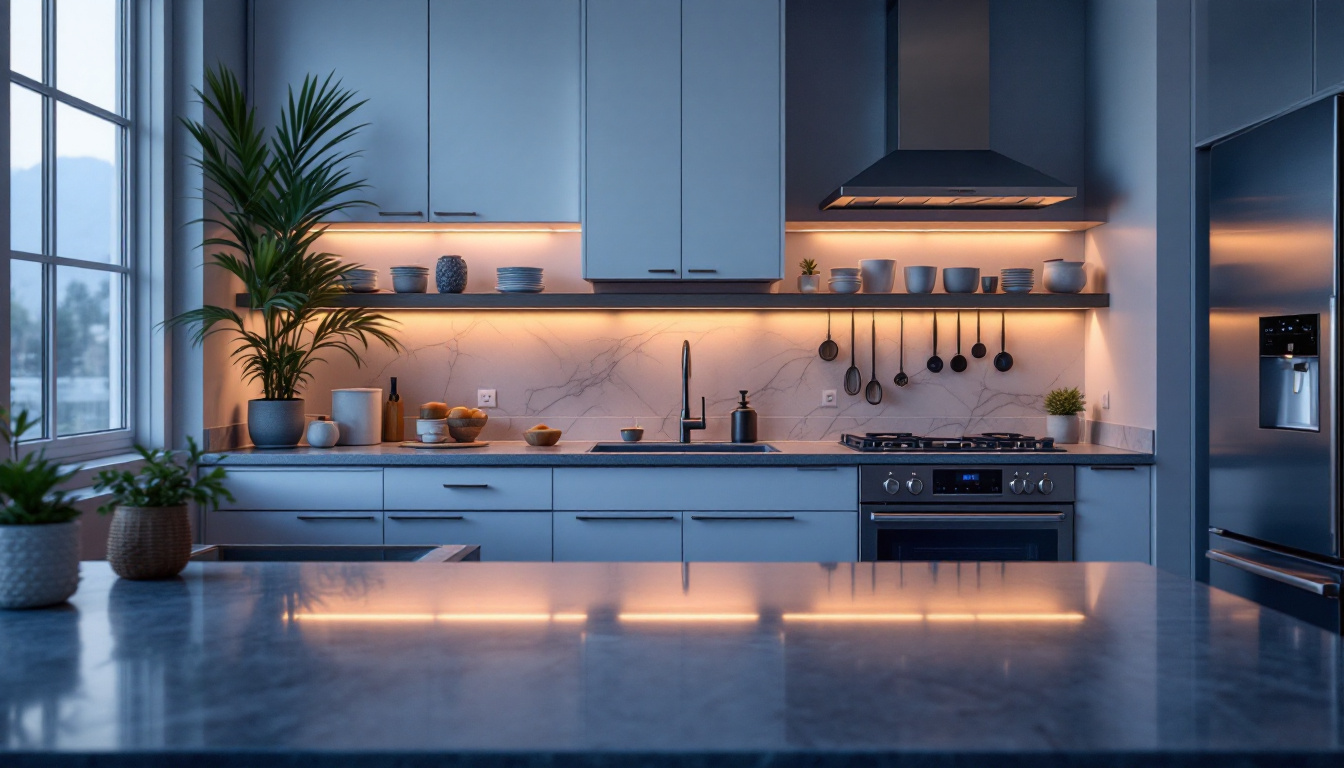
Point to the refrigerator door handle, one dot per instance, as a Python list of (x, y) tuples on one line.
[(1310, 582)]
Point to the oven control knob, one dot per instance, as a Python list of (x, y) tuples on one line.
[(1016, 484), (1029, 485), (915, 485), (891, 485), (1046, 485)]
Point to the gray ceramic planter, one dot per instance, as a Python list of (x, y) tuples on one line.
[(275, 423), (39, 564), (1066, 430)]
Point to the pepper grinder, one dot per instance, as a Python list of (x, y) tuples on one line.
[(744, 421)]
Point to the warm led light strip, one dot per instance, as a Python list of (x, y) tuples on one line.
[(876, 618), (447, 618), (687, 617), (949, 231)]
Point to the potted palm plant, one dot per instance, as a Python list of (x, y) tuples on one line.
[(39, 526), (1062, 407), (267, 197), (150, 537)]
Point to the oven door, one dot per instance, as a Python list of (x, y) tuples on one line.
[(971, 532)]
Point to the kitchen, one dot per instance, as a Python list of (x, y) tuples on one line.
[(746, 539)]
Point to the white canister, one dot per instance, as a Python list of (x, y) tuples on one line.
[(358, 413), (323, 432)]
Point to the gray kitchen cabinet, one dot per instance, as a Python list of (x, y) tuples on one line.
[(501, 535), (379, 49), (467, 488), (225, 526), (705, 488), (504, 90), (1252, 59), (632, 140), (1329, 49), (732, 185), (1113, 513), (770, 536), (304, 489), (639, 536)]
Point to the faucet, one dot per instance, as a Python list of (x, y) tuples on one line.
[(687, 423)]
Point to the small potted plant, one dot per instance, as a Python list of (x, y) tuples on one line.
[(810, 280), (150, 536), (1062, 407), (39, 526)]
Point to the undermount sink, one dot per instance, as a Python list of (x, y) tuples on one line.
[(683, 448)]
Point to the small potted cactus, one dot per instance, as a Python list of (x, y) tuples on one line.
[(1062, 407), (810, 280)]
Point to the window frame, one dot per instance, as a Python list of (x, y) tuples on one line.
[(111, 441)]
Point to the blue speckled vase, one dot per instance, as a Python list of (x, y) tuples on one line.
[(451, 274)]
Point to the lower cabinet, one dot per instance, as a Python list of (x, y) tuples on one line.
[(770, 536), (500, 535), (224, 526), (1113, 513), (617, 536)]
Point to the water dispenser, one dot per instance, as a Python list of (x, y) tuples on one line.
[(1290, 372)]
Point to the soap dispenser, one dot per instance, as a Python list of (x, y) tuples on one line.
[(744, 421)]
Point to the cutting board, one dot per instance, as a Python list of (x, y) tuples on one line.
[(445, 446)]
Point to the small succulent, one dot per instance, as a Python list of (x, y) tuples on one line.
[(809, 266), (1064, 402)]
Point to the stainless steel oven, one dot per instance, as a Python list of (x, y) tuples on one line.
[(966, 512)]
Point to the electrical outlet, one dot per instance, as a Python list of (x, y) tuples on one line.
[(485, 398), (1106, 400), (828, 398)]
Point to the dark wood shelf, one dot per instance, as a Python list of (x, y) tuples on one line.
[(691, 301)]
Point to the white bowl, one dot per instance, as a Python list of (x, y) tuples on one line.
[(844, 272), (845, 287), (431, 430)]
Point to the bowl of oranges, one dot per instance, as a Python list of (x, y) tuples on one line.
[(465, 424)]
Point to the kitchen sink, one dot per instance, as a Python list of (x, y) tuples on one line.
[(683, 448)]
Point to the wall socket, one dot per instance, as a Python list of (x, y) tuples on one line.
[(828, 398), (1106, 400), (485, 398)]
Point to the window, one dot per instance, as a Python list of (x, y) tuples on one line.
[(70, 266)]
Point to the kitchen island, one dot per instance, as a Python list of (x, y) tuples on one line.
[(699, 664)]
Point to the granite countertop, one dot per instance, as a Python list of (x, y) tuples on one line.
[(573, 664), (566, 454)]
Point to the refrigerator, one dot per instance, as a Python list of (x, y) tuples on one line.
[(1274, 401)]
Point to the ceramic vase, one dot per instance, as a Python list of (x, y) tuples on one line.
[(450, 273), (275, 423), (323, 432), (39, 564), (1064, 429), (147, 543)]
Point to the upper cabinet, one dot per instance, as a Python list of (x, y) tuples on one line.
[(683, 170), (473, 105), (504, 110), (378, 48), (1329, 44), (1253, 59)]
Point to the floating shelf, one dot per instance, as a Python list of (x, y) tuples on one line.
[(766, 301)]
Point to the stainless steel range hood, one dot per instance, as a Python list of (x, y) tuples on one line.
[(938, 121)]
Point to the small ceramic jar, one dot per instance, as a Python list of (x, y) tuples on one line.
[(323, 432)]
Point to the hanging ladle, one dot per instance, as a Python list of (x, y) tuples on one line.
[(1003, 361), (873, 392), (978, 351), (828, 350), (901, 378), (935, 363), (958, 361), (853, 378)]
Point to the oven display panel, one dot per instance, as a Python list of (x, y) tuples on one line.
[(964, 482)]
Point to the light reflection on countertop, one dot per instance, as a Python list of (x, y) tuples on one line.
[(779, 660)]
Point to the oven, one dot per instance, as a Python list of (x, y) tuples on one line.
[(966, 513)]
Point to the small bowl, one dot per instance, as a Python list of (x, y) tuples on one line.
[(632, 434), (920, 279), (845, 286), (989, 284), (410, 283), (844, 272), (466, 430), (961, 279), (542, 438)]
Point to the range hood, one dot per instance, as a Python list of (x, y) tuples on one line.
[(938, 121)]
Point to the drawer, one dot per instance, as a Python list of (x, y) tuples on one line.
[(467, 488), (618, 536), (706, 488), (323, 489), (500, 535), (308, 527), (754, 537)]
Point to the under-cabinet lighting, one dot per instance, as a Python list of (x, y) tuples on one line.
[(687, 617), (445, 618), (912, 617), (435, 228)]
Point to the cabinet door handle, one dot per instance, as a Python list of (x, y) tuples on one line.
[(1109, 468), (425, 517), (465, 486), (602, 518), (754, 518), (702, 271), (401, 213), (321, 518), (818, 469), (966, 517), (1302, 580), (662, 271), (456, 213)]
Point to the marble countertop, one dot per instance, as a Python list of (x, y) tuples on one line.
[(519, 453), (547, 664)]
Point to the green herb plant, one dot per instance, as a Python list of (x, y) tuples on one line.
[(164, 481), (809, 266), (1064, 402), (29, 485)]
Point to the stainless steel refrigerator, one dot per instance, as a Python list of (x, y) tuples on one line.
[(1274, 401)]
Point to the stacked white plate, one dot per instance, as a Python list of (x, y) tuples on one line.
[(361, 280), (519, 280), (1019, 280), (410, 279), (845, 284)]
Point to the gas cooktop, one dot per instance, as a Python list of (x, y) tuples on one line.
[(990, 442)]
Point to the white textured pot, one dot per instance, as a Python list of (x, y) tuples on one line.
[(1064, 429), (809, 283), (39, 564)]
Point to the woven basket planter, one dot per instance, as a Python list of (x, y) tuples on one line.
[(149, 542), (39, 564)]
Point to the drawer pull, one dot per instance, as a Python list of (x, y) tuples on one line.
[(456, 213), (966, 517), (425, 517), (818, 469), (663, 271), (466, 486), (622, 518), (321, 518), (703, 271), (401, 213), (753, 518), (1109, 468)]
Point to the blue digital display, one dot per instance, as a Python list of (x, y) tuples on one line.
[(971, 477)]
